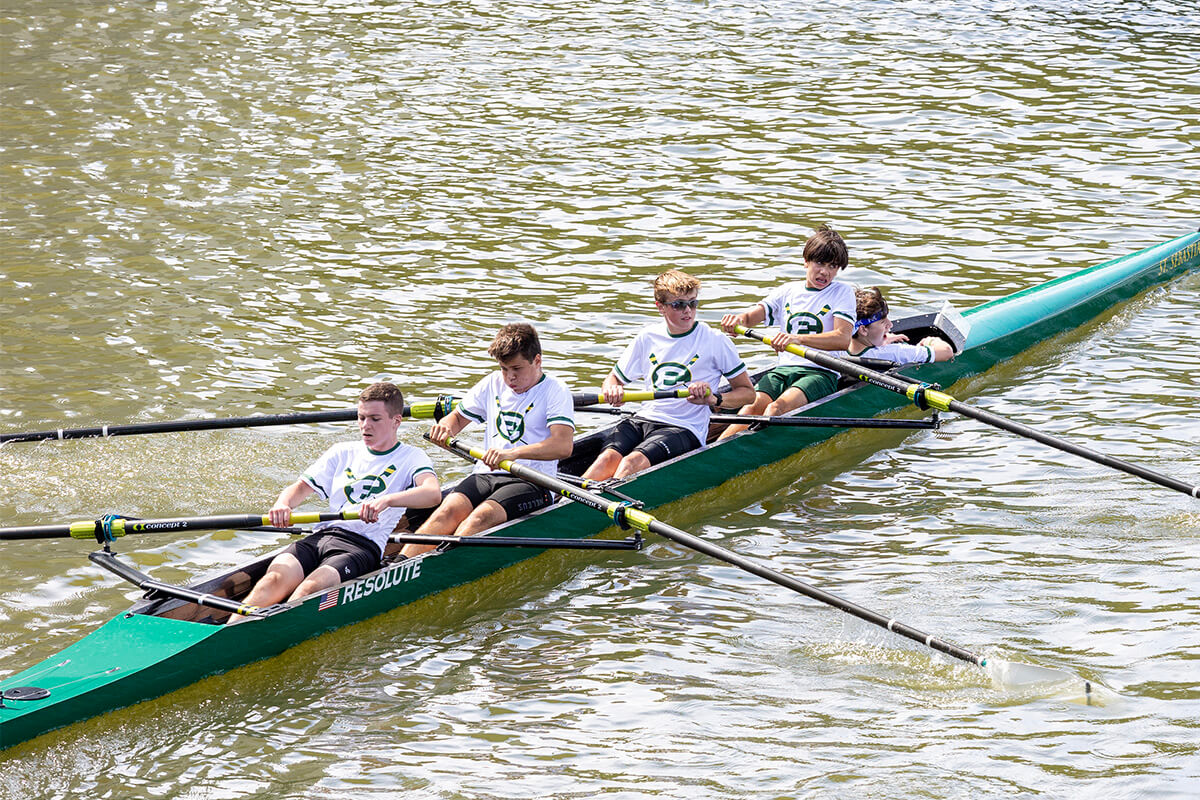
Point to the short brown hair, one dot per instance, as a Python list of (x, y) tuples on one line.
[(515, 339), (388, 394), (674, 282), (826, 246), (870, 302)]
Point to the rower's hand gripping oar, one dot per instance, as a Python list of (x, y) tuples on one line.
[(925, 397), (629, 396), (111, 527), (626, 516)]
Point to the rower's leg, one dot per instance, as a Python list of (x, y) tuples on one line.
[(487, 514), (281, 578), (761, 401), (632, 464), (322, 578), (790, 400), (604, 467), (445, 519)]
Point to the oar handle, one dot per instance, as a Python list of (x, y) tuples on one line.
[(112, 527), (627, 516), (629, 396)]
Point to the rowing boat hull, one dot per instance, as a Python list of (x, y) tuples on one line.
[(137, 656)]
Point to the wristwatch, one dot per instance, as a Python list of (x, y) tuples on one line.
[(719, 400)]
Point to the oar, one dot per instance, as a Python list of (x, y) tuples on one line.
[(797, 422), (926, 397), (110, 527), (434, 409), (626, 516)]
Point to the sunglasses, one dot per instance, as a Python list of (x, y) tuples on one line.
[(680, 305)]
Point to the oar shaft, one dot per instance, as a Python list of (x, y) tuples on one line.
[(88, 529), (622, 513), (182, 425), (925, 396), (433, 409), (1075, 449), (824, 422)]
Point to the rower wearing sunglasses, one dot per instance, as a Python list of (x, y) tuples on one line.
[(675, 353), (818, 312)]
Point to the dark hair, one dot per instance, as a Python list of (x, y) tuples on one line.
[(387, 393), (826, 246), (870, 302), (515, 339)]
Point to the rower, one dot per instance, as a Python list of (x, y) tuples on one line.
[(529, 417), (816, 313), (873, 337), (677, 352), (377, 476)]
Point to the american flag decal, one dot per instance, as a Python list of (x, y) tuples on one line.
[(329, 600)]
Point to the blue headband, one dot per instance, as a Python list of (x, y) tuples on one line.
[(862, 323)]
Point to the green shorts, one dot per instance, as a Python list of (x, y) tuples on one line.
[(815, 383)]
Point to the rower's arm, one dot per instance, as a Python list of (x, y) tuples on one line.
[(748, 317), (426, 493), (741, 392), (558, 445), (448, 427), (836, 339), (292, 496), (942, 351)]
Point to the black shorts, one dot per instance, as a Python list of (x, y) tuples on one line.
[(515, 496), (657, 441), (350, 554)]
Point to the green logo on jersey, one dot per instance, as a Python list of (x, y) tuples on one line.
[(359, 490), (510, 425), (803, 322), (671, 373)]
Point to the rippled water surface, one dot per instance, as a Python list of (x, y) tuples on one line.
[(215, 209)]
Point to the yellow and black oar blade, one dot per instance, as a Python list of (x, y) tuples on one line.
[(433, 409), (927, 397), (111, 527), (629, 396), (628, 517)]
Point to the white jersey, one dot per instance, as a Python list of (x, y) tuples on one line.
[(900, 353), (350, 473), (513, 419), (671, 361), (795, 308)]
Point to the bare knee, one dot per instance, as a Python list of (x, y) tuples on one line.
[(604, 466), (631, 464), (487, 514)]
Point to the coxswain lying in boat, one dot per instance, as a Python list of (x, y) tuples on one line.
[(679, 351), (377, 476), (873, 337), (528, 416), (817, 312)]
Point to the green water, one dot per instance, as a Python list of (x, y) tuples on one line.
[(214, 209)]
